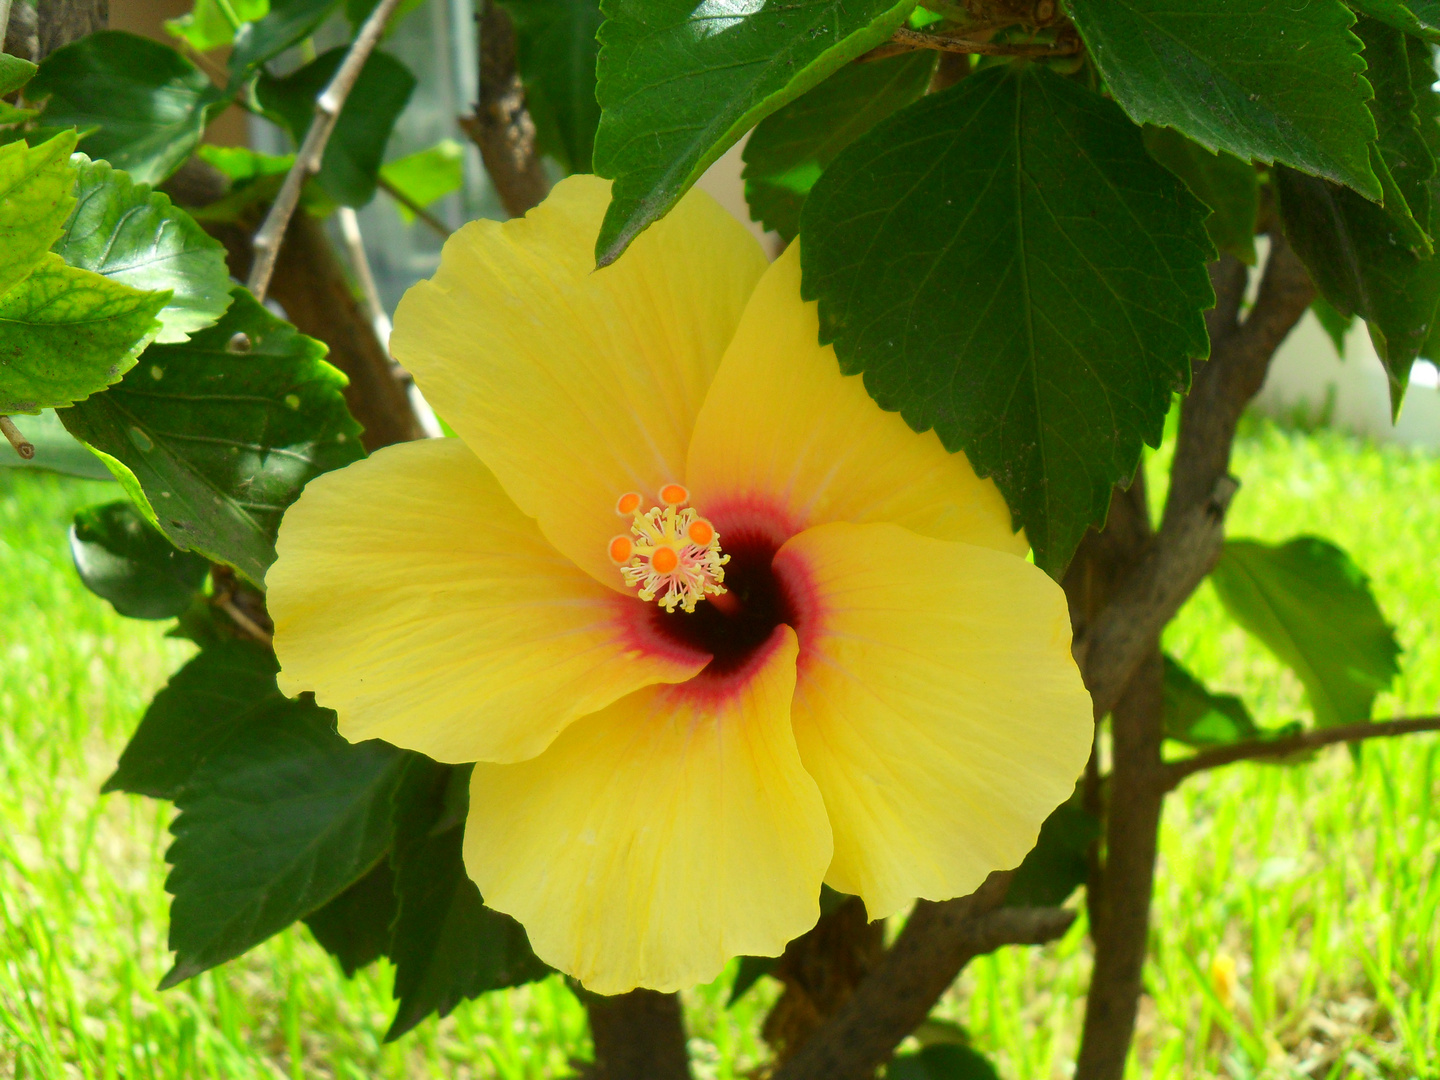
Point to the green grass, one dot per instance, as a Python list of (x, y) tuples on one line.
[(1297, 918)]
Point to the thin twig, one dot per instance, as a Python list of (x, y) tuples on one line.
[(415, 208), (360, 267), (23, 446), (312, 150), (1253, 749), (906, 40), (243, 621)]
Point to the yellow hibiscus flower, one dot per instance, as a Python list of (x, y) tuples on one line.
[(874, 689)]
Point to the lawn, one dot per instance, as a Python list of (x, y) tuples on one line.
[(1297, 917)]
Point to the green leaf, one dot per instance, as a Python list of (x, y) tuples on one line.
[(1195, 716), (357, 11), (556, 51), (15, 72), (447, 946), (942, 1061), (147, 104), (357, 145), (225, 689), (66, 333), (56, 450), (286, 23), (1335, 325), (122, 558), (1007, 265), (750, 971), (222, 438), (1058, 864), (276, 822), (1262, 82), (1224, 183), (206, 26), (791, 147), (426, 175), (679, 83), (1423, 20), (355, 926), (1312, 607), (36, 195), (130, 234), (1405, 166), (1361, 265)]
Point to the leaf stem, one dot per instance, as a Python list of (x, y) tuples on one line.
[(415, 208), (312, 150), (23, 446)]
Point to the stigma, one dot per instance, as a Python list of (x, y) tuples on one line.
[(671, 555)]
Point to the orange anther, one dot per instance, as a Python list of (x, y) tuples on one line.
[(628, 503), (674, 495), (700, 532), (621, 548), (664, 560)]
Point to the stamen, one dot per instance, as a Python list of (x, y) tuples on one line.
[(672, 555), (628, 503)]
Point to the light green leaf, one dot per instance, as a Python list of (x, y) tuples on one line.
[(556, 50), (1312, 607), (426, 175), (147, 104), (133, 235), (66, 333), (791, 147), (1224, 183), (56, 450), (1195, 716), (15, 72), (223, 431), (1261, 81), (680, 83), (286, 23), (124, 559), (36, 195), (357, 145), (207, 26), (1007, 265)]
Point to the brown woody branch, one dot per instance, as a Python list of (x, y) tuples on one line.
[(1259, 749), (23, 446), (938, 940), (312, 150), (905, 40), (637, 1036)]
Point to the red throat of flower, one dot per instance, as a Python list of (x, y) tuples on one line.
[(672, 555)]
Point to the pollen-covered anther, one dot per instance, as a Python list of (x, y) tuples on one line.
[(672, 555)]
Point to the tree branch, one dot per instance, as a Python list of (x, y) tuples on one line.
[(23, 446), (437, 226), (938, 940), (906, 40), (312, 151), (637, 1036), (59, 22), (1254, 749), (502, 127)]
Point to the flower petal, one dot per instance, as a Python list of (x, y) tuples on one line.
[(576, 385), (937, 706), (783, 429), (657, 839), (415, 600)]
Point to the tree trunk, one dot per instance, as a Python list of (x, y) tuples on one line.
[(59, 22), (638, 1036)]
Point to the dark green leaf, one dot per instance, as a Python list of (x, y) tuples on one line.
[(1420, 17), (1195, 716), (942, 1061), (1361, 264), (1224, 183), (130, 234), (791, 147), (36, 196), (555, 47), (126, 560), (146, 103), (448, 946), (1335, 325), (680, 83), (1312, 607), (357, 145), (1057, 865), (1405, 166), (286, 23), (1007, 265), (66, 333), (426, 175), (1264, 82), (228, 687), (355, 926), (274, 823), (15, 72), (221, 439), (750, 971)]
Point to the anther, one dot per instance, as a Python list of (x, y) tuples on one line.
[(621, 548), (674, 495), (672, 555), (628, 503), (664, 560), (700, 532)]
